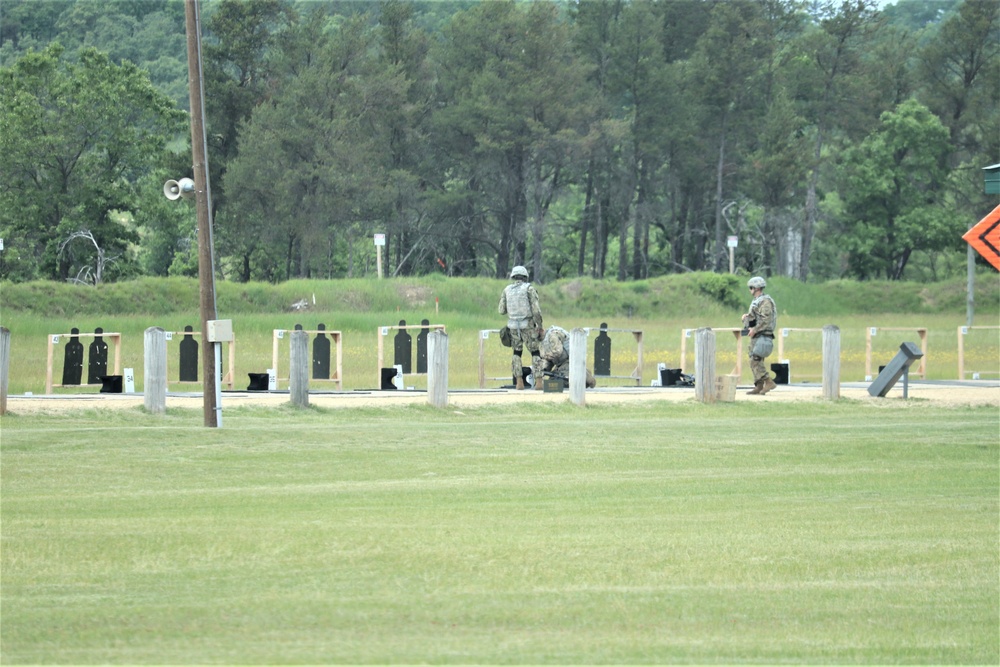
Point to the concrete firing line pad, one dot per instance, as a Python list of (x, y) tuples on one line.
[(921, 392)]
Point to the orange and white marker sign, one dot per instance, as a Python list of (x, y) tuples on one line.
[(985, 237)]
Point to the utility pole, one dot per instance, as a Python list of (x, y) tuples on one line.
[(203, 206)]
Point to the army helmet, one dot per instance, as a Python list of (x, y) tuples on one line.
[(756, 282), (519, 271)]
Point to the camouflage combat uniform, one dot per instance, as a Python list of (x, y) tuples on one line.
[(764, 313), (519, 302), (554, 350)]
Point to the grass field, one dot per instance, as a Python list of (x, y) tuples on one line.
[(813, 533)]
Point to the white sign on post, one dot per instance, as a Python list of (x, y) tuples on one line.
[(731, 243), (379, 242)]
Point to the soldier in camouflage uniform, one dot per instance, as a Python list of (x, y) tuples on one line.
[(759, 323), (519, 302), (554, 350)]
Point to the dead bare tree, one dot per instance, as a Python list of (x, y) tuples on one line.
[(89, 274)]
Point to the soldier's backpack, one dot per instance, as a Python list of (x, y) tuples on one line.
[(505, 339)]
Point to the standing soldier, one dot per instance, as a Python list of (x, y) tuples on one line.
[(758, 324), (519, 302)]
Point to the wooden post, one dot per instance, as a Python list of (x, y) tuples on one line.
[(49, 365), (638, 364), (922, 332), (154, 386), (482, 358), (684, 348), (380, 333), (831, 362), (970, 286), (868, 353), (298, 369), (274, 354), (578, 366), (203, 210), (704, 365), (437, 368), (340, 361), (961, 350), (117, 340), (4, 367)]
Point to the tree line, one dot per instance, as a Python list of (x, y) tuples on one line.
[(607, 138)]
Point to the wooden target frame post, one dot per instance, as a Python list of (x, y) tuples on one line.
[(962, 333), (337, 370), (781, 349), (228, 379), (4, 367), (873, 331), (637, 371), (737, 333), (111, 337), (484, 334), (383, 331)]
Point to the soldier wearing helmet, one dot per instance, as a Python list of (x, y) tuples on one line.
[(554, 350), (519, 302), (759, 323)]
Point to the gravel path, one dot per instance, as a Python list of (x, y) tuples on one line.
[(938, 393)]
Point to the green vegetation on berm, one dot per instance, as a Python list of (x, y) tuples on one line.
[(664, 297)]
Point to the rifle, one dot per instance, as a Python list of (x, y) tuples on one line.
[(557, 376), (591, 382)]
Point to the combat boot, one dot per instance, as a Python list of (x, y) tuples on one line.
[(768, 385), (758, 387), (520, 382)]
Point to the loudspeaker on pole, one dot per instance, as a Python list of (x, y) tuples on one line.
[(176, 189)]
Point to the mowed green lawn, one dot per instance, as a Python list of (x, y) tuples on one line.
[(656, 533)]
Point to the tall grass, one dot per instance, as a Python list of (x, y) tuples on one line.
[(662, 342), (662, 309), (833, 533)]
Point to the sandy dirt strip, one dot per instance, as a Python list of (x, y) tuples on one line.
[(938, 393)]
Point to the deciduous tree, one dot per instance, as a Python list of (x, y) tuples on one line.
[(74, 139), (894, 187)]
